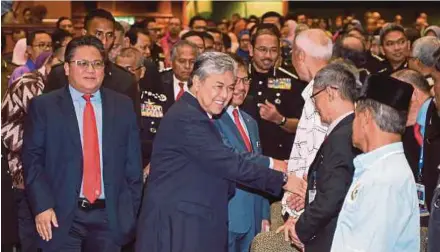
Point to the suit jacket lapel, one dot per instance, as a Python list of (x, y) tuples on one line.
[(253, 133), (226, 119), (71, 122), (169, 87), (108, 111)]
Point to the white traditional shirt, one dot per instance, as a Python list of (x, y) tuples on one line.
[(309, 136), (381, 211)]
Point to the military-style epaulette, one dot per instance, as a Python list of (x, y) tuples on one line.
[(165, 69), (287, 72), (377, 57)]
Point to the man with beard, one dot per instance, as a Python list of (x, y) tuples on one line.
[(276, 94), (395, 46), (101, 24)]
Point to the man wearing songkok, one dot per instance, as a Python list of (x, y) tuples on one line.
[(380, 211)]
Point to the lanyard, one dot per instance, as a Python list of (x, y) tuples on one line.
[(420, 165)]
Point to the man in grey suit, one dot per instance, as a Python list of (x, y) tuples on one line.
[(248, 211)]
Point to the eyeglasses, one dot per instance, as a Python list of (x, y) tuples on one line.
[(245, 80), (43, 46), (84, 64), (132, 69), (320, 91), (273, 50)]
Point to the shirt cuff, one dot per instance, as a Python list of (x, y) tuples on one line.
[(271, 163)]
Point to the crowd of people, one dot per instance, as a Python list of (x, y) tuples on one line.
[(147, 138)]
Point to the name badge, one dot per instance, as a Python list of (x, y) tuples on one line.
[(151, 110), (279, 83), (312, 195), (421, 197)]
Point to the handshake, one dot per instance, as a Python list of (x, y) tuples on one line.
[(297, 186)]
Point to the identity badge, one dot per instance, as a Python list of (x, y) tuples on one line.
[(312, 195), (421, 193)]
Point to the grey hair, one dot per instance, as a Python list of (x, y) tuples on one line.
[(423, 49), (387, 118), (181, 44), (414, 78), (337, 75), (315, 43), (213, 63), (132, 52)]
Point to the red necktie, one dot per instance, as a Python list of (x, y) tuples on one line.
[(417, 134), (91, 170), (240, 128), (181, 91)]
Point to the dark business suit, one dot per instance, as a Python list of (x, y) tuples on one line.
[(116, 78), (247, 208), (333, 169), (185, 205), (53, 164)]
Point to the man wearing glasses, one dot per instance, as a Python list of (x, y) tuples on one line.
[(101, 24), (276, 94), (331, 173), (37, 42), (81, 159), (248, 211)]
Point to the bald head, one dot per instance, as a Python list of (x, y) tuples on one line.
[(376, 15), (353, 43), (315, 43), (312, 50)]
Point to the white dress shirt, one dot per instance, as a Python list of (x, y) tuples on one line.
[(176, 86)]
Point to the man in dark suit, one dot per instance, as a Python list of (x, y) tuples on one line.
[(185, 205), (248, 211), (330, 175), (81, 159), (158, 97), (101, 24)]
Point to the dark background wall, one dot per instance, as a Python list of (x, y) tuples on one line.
[(388, 9)]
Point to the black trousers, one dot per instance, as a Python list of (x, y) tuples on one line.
[(26, 223), (90, 233), (434, 223)]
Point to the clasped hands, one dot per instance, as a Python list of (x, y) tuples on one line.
[(298, 187)]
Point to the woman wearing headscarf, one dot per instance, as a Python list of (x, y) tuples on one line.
[(19, 56), (432, 30)]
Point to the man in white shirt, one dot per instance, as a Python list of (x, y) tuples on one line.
[(312, 50), (380, 211)]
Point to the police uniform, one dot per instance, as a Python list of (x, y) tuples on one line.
[(283, 89), (155, 102), (388, 70), (158, 57), (373, 64)]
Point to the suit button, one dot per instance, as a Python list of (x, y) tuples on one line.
[(277, 94), (280, 145), (259, 93), (260, 82), (152, 122)]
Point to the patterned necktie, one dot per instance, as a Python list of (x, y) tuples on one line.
[(92, 170), (240, 128), (181, 91), (417, 134)]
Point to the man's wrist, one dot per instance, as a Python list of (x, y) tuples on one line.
[(282, 122)]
